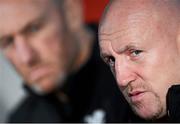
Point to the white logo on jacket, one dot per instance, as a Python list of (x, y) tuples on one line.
[(98, 116)]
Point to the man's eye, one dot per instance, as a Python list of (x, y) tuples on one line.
[(135, 53), (34, 28), (6, 42)]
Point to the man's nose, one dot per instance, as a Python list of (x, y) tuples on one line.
[(24, 51), (124, 74)]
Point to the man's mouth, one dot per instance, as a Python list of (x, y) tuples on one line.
[(136, 96), (38, 73)]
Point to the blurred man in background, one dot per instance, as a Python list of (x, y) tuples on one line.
[(55, 54)]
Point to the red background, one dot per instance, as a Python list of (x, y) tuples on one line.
[(93, 10)]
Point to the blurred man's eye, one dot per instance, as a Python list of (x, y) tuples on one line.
[(6, 42), (32, 29)]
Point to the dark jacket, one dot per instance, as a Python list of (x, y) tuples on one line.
[(173, 103)]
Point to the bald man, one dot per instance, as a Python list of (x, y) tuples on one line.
[(140, 41)]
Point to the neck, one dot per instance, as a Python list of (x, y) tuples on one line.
[(163, 119)]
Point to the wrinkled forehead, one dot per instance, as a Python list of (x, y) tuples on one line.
[(130, 27), (19, 12), (127, 13), (124, 16), (125, 25)]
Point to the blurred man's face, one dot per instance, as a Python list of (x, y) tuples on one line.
[(143, 56), (33, 38)]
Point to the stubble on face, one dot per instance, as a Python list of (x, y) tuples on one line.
[(148, 105)]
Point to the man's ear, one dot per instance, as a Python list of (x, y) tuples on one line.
[(74, 14), (178, 38)]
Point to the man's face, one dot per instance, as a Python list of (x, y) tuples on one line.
[(33, 38), (143, 57)]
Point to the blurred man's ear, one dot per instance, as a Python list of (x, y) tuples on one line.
[(74, 14)]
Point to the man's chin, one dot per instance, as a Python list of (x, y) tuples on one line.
[(148, 114), (40, 90), (43, 88), (46, 86)]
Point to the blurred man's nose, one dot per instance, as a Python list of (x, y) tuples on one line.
[(24, 50), (124, 73)]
